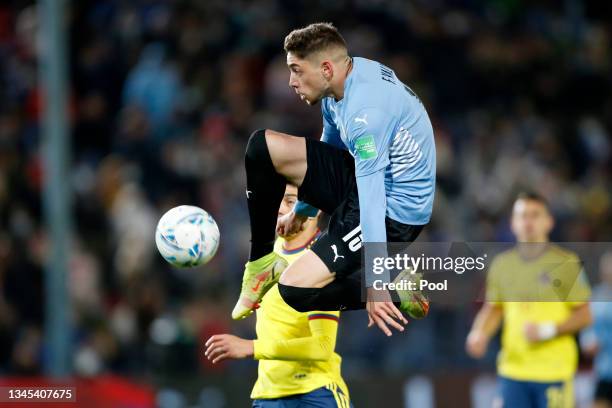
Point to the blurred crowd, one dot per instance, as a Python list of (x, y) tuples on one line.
[(163, 97)]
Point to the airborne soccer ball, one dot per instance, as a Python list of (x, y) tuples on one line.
[(187, 236)]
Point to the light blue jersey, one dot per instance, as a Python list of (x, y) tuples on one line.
[(385, 127), (601, 331)]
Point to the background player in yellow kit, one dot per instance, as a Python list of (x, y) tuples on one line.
[(539, 355), (297, 362)]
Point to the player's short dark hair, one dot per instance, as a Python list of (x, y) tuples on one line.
[(532, 196), (313, 38)]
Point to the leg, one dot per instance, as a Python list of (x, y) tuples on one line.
[(288, 154), (309, 285), (271, 160), (318, 279), (329, 276), (308, 271)]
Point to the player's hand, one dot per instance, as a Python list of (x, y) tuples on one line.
[(382, 312), (290, 224), (476, 344), (223, 346), (536, 332)]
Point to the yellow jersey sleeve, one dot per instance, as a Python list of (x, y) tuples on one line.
[(319, 346), (580, 293)]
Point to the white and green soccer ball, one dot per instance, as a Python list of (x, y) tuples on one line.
[(187, 236)]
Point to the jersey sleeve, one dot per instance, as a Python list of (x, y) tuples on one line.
[(369, 133), (319, 346), (580, 291), (372, 212), (330, 134)]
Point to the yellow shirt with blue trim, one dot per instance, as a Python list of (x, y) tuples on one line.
[(543, 289), (295, 350)]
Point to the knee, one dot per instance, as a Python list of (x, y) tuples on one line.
[(299, 299), (257, 148)]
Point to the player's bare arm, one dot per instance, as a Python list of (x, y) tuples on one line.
[(486, 324)]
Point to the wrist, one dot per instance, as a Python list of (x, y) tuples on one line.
[(371, 290), (547, 331)]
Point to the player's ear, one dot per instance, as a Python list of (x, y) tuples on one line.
[(551, 222), (327, 69), (513, 227)]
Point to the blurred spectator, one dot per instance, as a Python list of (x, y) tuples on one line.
[(597, 341), (153, 86)]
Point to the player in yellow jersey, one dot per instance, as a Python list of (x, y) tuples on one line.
[(297, 363), (540, 293)]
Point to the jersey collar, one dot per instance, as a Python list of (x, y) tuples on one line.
[(301, 248)]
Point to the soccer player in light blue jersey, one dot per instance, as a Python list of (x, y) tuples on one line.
[(373, 171)]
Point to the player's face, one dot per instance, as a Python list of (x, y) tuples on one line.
[(306, 79), (289, 200), (531, 221)]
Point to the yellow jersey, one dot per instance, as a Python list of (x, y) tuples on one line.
[(543, 289), (295, 350)]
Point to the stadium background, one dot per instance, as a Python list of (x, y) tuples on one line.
[(163, 96)]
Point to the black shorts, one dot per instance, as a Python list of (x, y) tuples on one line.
[(330, 185), (603, 391)]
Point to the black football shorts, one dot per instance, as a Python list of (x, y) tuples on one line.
[(330, 185)]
